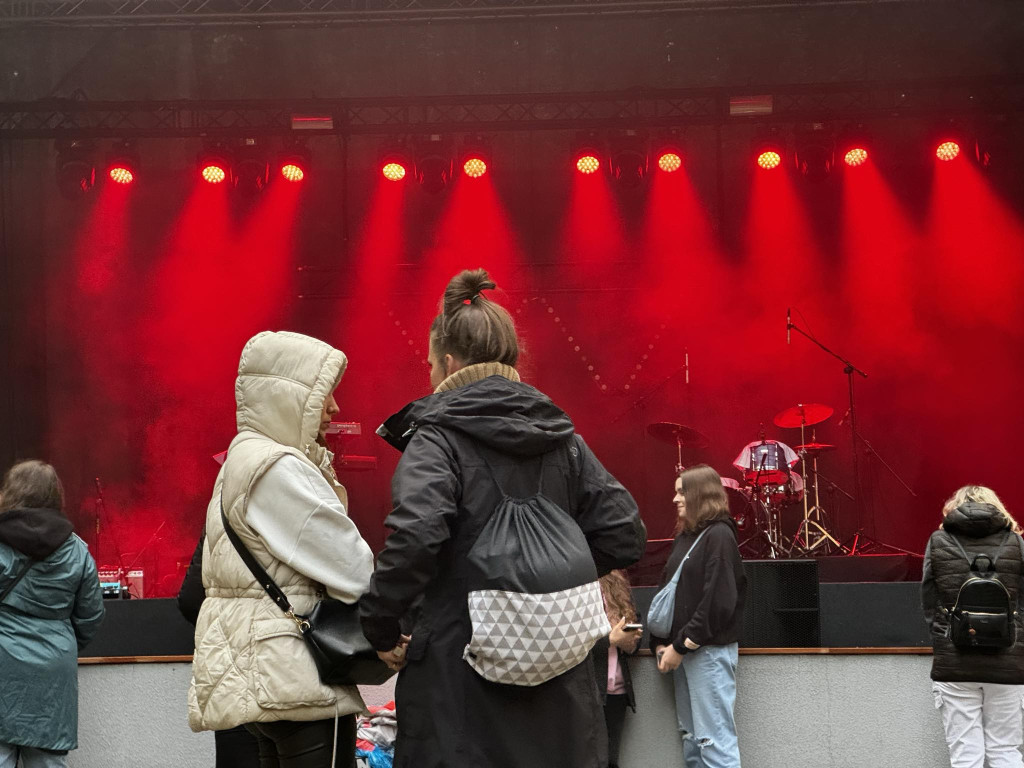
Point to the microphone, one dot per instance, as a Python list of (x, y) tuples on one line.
[(788, 324)]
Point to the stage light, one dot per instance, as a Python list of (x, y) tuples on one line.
[(814, 153), (670, 161), (947, 150), (588, 163), (629, 166), (214, 165), (122, 164), (855, 157), (628, 158), (393, 171), (433, 167), (76, 173), (293, 163), (475, 156), (769, 159), (120, 174), (214, 173), (251, 168), (767, 150)]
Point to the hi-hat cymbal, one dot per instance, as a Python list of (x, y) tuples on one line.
[(677, 434), (805, 413), (813, 448)]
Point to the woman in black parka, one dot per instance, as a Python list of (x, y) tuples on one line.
[(978, 691), (481, 417)]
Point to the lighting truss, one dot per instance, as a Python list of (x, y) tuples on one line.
[(60, 118), (100, 13)]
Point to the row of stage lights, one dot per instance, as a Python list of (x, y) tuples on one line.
[(627, 160)]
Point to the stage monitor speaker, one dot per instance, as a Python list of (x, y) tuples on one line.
[(782, 608)]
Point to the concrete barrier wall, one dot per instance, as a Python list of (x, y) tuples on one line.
[(805, 711)]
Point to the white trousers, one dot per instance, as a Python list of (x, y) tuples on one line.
[(984, 723)]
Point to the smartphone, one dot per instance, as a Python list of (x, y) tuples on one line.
[(633, 627)]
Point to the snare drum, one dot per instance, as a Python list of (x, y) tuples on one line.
[(764, 463)]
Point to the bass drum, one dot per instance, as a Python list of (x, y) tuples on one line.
[(740, 508)]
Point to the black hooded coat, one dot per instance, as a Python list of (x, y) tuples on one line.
[(443, 491), (981, 529)]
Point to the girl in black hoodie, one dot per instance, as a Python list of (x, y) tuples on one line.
[(978, 691), (708, 617)]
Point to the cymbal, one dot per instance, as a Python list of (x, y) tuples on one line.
[(805, 413), (677, 434), (814, 448)]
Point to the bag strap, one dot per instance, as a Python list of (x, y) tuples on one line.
[(494, 475), (679, 570), (991, 560), (10, 587), (260, 573)]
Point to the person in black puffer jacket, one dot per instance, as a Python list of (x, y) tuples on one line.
[(979, 692)]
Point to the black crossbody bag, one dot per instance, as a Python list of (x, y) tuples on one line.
[(333, 634)]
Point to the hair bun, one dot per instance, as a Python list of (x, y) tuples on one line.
[(465, 287)]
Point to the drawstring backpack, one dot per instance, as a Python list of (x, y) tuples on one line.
[(534, 599)]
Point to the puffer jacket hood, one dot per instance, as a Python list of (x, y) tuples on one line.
[(37, 533), (283, 380), (508, 416), (975, 520)]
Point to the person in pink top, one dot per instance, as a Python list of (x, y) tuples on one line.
[(609, 657)]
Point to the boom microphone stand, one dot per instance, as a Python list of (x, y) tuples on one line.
[(850, 369)]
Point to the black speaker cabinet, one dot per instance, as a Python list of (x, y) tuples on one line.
[(782, 608)]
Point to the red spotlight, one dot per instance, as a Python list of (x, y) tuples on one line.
[(670, 162), (947, 150), (474, 167), (121, 174), (214, 174), (393, 171), (587, 164), (855, 157), (769, 159), (292, 172)]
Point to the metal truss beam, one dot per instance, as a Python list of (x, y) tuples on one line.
[(65, 118), (81, 13)]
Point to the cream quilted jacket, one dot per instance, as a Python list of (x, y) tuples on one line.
[(250, 662)]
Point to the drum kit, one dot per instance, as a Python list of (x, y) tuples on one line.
[(771, 485)]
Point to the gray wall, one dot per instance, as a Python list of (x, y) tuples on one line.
[(812, 711)]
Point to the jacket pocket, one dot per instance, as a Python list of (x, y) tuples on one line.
[(286, 676), (418, 645)]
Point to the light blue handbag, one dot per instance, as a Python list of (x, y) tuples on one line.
[(663, 606)]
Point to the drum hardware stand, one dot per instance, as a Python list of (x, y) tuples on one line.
[(772, 529), (814, 514)]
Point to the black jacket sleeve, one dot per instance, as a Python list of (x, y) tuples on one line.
[(929, 595), (192, 592), (608, 515), (720, 595), (424, 491)]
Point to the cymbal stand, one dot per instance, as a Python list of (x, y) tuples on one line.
[(813, 514)]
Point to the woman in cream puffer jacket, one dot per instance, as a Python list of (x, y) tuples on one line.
[(251, 665)]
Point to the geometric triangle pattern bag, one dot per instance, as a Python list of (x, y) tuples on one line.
[(534, 599)]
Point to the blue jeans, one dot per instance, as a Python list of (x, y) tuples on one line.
[(705, 699)]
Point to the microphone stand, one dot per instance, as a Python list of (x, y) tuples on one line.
[(850, 369)]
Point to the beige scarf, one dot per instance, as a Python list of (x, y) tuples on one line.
[(476, 372)]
